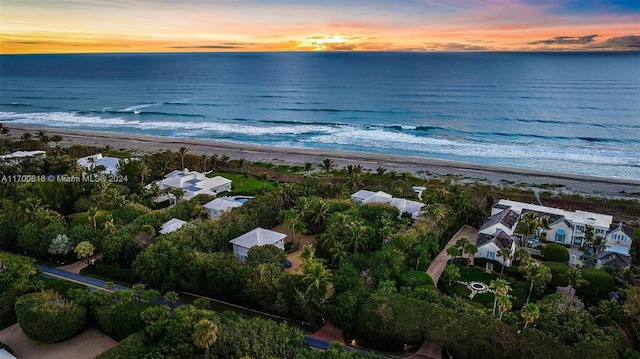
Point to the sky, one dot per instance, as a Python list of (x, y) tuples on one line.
[(90, 26)]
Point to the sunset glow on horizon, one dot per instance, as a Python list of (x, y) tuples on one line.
[(91, 26)]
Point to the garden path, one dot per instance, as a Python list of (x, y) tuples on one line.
[(440, 261)]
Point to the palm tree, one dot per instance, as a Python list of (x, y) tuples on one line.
[(307, 255), (178, 193), (505, 254), (224, 160), (293, 221), (530, 313), (527, 227), (145, 172), (500, 287), (56, 138), (356, 234), (470, 249), (504, 304), (574, 277), (93, 214), (214, 161), (138, 289), (308, 166), (609, 312), (462, 242), (25, 136), (172, 298), (205, 334), (451, 272), (598, 243), (317, 276), (535, 272), (338, 252), (522, 255), (327, 165), (589, 233), (454, 252), (3, 130), (545, 223), (380, 171), (183, 152)]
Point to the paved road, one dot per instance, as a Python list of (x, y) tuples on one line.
[(440, 261), (97, 284)]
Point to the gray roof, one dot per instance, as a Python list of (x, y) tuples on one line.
[(222, 204), (614, 259), (502, 239), (626, 230), (258, 237), (507, 217), (555, 218)]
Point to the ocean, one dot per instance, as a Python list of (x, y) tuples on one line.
[(566, 112)]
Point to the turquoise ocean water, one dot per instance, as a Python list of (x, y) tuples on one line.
[(567, 112)]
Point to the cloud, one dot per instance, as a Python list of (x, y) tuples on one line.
[(206, 47), (567, 40), (627, 42), (455, 46)]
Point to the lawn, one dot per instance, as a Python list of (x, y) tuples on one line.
[(250, 185), (475, 274)]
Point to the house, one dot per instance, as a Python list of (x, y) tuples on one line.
[(256, 237), (490, 244), (194, 183), (403, 205), (569, 226), (109, 163), (619, 239), (172, 225), (219, 205), (505, 221), (613, 259), (15, 157)]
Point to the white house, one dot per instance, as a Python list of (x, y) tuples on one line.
[(219, 205), (16, 157), (490, 244), (256, 237), (505, 220), (575, 220), (194, 183), (403, 205), (619, 239), (110, 163), (172, 225)]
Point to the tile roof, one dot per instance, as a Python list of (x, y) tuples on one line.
[(502, 239)]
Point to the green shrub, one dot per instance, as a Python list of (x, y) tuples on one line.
[(120, 320), (555, 252), (599, 284), (112, 271), (415, 278), (558, 273), (47, 317), (132, 347)]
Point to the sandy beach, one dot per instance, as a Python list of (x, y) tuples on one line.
[(590, 185)]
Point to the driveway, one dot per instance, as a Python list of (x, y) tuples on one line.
[(85, 345), (293, 256), (438, 263)]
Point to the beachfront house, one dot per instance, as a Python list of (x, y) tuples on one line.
[(219, 205), (403, 205), (194, 183), (172, 225), (108, 165), (17, 156), (567, 227), (490, 244), (619, 239), (256, 237)]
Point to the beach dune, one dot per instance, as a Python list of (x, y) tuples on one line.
[(584, 184)]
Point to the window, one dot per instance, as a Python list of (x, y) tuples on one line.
[(491, 255), (560, 236)]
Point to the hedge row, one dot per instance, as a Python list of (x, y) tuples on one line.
[(47, 317)]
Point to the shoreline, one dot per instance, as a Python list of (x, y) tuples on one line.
[(494, 174)]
